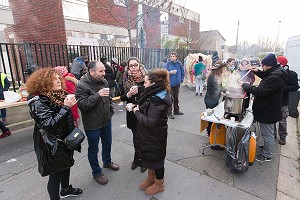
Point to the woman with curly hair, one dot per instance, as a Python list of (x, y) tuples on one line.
[(51, 111), (152, 123)]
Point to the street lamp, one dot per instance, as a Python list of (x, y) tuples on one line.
[(276, 44)]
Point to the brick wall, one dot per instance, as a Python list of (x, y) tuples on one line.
[(151, 22), (39, 21), (106, 12), (182, 29)]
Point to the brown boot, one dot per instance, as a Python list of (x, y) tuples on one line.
[(157, 187), (149, 180)]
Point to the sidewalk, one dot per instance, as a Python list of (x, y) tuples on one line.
[(189, 174)]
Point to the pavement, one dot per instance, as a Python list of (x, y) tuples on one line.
[(189, 175)]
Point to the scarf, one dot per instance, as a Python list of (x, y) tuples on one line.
[(56, 97), (150, 91), (131, 78)]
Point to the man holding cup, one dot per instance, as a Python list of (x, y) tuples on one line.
[(92, 94)]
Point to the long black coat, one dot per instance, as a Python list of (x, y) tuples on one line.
[(268, 95), (56, 121), (152, 125), (130, 117), (291, 86)]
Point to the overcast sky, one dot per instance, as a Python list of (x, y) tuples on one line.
[(258, 18)]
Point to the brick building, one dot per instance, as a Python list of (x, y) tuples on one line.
[(94, 22)]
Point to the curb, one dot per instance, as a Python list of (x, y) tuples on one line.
[(288, 174), (20, 125)]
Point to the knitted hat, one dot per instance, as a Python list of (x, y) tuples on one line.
[(61, 70), (282, 60), (269, 60)]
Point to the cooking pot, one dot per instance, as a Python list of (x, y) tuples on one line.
[(234, 103)]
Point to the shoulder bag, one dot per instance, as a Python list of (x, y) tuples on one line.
[(74, 139)]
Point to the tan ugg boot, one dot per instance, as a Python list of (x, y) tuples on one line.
[(149, 180), (157, 187)]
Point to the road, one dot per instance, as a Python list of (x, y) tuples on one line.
[(189, 174)]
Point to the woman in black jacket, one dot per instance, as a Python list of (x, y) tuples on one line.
[(51, 111), (133, 81), (152, 121)]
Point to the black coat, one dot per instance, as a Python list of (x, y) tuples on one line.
[(130, 117), (110, 75), (57, 122), (268, 95), (152, 124), (291, 86), (213, 92)]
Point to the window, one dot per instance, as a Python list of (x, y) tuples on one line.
[(181, 20), (120, 3)]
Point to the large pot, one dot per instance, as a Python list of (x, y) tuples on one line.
[(234, 103)]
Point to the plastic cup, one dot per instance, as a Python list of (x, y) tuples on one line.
[(232, 119), (69, 96), (204, 114), (129, 107)]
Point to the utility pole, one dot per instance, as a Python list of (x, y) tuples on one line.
[(237, 37), (276, 44)]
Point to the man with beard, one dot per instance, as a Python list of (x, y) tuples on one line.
[(93, 100)]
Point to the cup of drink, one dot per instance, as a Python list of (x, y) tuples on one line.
[(232, 119), (129, 107), (69, 96)]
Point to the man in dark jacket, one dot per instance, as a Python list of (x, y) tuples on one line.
[(267, 101), (291, 86), (92, 94), (176, 72)]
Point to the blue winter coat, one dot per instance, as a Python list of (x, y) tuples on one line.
[(175, 79)]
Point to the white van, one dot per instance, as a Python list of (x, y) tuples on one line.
[(292, 53)]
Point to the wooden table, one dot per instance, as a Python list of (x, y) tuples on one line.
[(4, 104)]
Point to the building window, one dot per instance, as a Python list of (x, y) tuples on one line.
[(181, 20), (76, 9), (4, 3), (120, 3)]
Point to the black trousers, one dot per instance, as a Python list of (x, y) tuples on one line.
[(159, 173), (59, 178), (175, 94)]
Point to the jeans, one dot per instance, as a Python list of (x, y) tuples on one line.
[(3, 128), (199, 84), (93, 137), (59, 178), (3, 113), (267, 132)]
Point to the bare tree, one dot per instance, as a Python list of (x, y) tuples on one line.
[(131, 12)]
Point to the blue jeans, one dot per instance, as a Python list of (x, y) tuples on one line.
[(93, 137)]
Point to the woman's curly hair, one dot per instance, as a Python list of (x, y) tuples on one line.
[(41, 81)]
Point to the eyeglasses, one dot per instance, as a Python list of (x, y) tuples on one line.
[(134, 65)]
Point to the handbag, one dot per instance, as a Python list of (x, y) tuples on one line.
[(52, 155), (74, 139)]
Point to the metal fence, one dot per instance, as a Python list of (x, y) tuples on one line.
[(18, 61)]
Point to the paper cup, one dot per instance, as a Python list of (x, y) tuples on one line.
[(129, 107), (204, 114), (232, 119), (69, 96)]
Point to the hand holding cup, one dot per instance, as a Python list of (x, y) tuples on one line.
[(104, 92), (70, 100)]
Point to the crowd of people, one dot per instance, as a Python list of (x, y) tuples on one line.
[(152, 97)]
